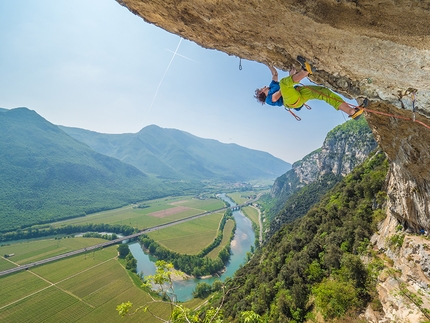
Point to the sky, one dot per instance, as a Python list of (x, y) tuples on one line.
[(92, 64)]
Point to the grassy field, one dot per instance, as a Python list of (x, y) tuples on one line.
[(241, 197), (5, 264), (189, 237), (228, 228), (88, 287), (30, 251), (77, 289), (156, 212), (252, 214)]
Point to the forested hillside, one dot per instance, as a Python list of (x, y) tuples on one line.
[(301, 201), (46, 175), (344, 147), (313, 265)]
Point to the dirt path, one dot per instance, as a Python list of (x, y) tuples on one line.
[(261, 224)]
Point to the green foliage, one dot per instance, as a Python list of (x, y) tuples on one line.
[(123, 250), (334, 298), (105, 236), (131, 263), (284, 207), (315, 272), (196, 265), (202, 290), (250, 317), (68, 229), (301, 201), (162, 282), (356, 128), (396, 240), (124, 308), (315, 256)]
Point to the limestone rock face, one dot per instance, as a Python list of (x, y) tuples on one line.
[(403, 286), (342, 150), (379, 49)]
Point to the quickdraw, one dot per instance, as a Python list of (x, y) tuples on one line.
[(294, 115)]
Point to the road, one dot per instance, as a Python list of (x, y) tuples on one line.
[(111, 242)]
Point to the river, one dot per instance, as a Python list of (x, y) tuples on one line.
[(244, 238)]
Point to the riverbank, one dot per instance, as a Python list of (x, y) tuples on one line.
[(241, 244), (178, 275)]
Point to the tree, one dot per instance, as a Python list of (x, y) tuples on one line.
[(131, 263), (202, 290), (333, 298), (217, 286), (250, 317), (123, 250), (164, 286)]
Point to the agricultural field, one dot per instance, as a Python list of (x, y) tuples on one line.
[(150, 213), (228, 228), (252, 214), (189, 237), (241, 197), (5, 264), (89, 286), (34, 250), (84, 288)]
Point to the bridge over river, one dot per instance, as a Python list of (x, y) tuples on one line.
[(112, 242)]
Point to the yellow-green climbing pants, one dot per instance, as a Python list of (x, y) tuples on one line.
[(295, 97)]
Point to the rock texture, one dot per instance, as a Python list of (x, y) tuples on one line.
[(344, 148), (403, 286), (362, 48)]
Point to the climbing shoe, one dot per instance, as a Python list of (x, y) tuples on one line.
[(359, 110), (357, 114), (305, 65)]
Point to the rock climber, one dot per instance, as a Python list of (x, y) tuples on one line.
[(289, 93)]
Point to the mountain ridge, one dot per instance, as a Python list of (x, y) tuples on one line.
[(47, 175), (180, 155)]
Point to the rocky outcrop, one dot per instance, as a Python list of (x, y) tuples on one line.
[(344, 147), (367, 48), (404, 285)]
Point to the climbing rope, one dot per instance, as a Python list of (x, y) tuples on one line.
[(240, 63), (370, 110)]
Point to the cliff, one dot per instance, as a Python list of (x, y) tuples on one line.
[(367, 48), (344, 147)]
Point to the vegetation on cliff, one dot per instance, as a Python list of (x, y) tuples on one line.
[(313, 264), (344, 147), (300, 202)]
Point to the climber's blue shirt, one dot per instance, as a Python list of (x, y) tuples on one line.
[(274, 87)]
